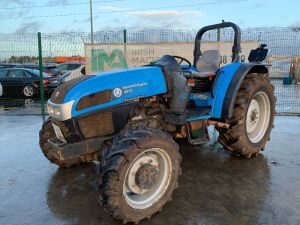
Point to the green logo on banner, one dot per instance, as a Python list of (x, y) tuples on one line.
[(116, 60)]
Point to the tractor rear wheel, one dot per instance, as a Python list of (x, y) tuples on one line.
[(252, 119), (46, 133), (138, 174)]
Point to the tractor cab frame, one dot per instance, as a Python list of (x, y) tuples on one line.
[(236, 48)]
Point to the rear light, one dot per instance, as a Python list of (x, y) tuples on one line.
[(45, 81), (211, 76), (191, 82), (36, 84)]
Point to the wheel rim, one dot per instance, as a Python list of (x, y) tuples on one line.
[(147, 178), (258, 117), (28, 91)]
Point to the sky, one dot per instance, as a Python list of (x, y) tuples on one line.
[(31, 16)]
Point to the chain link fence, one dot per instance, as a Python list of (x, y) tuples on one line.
[(59, 49)]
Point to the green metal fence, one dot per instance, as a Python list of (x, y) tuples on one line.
[(23, 49)]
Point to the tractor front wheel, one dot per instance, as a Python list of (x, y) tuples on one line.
[(252, 119), (46, 133), (138, 174)]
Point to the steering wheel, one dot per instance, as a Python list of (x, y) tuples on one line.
[(180, 59)]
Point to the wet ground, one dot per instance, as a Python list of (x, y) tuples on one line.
[(213, 189)]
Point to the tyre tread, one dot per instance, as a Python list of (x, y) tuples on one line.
[(233, 139), (111, 166)]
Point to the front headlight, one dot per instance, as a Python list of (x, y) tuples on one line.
[(53, 111), (60, 111), (57, 112), (50, 110)]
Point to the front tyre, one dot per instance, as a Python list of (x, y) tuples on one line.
[(252, 119), (50, 152), (138, 174)]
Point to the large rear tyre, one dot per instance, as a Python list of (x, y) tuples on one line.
[(252, 119), (138, 174), (53, 156)]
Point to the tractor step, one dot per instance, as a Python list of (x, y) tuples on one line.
[(201, 136)]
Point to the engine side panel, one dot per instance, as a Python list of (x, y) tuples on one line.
[(125, 86)]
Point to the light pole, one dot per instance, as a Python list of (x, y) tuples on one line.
[(91, 19)]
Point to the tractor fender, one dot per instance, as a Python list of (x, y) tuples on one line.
[(227, 84), (236, 81)]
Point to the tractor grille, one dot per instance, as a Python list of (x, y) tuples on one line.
[(65, 131), (68, 129), (98, 124), (94, 99)]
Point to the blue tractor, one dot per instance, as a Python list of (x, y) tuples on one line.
[(129, 121)]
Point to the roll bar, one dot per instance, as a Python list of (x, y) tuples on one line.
[(236, 48)]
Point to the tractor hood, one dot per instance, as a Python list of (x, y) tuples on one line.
[(89, 93)]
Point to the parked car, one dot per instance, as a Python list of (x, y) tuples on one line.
[(51, 70), (69, 75), (64, 67), (25, 82), (9, 65)]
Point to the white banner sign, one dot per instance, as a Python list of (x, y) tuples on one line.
[(106, 57)]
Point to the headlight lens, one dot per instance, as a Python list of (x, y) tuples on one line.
[(54, 111), (50, 110), (57, 112), (60, 111)]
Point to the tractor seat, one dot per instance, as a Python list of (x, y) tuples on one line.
[(207, 64)]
